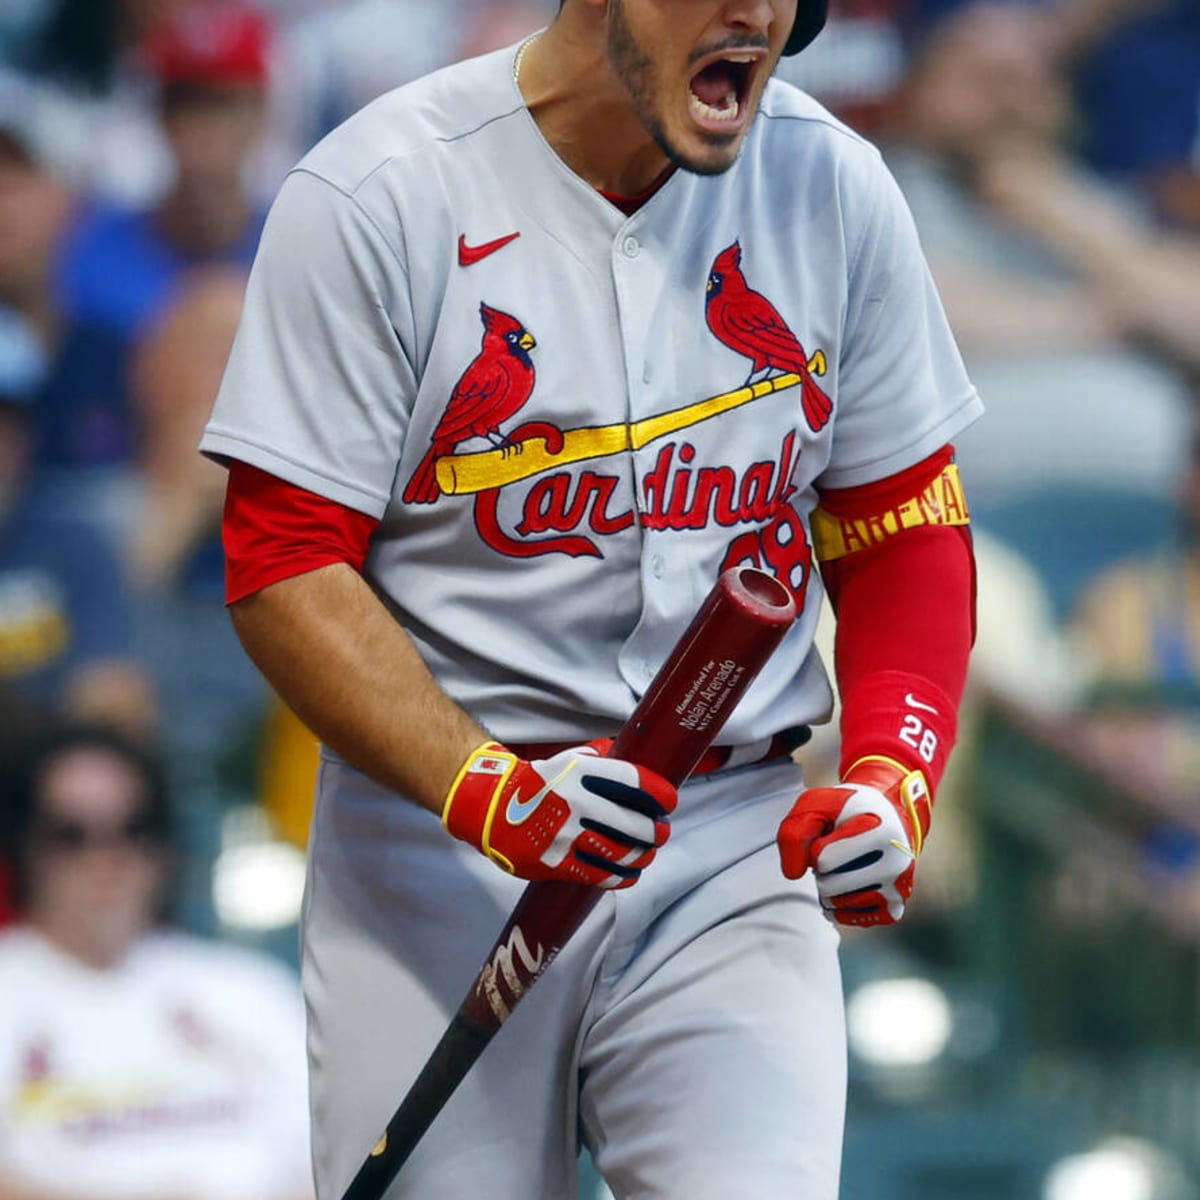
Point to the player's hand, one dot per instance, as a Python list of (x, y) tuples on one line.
[(861, 839), (576, 817)]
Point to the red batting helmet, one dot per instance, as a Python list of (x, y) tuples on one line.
[(810, 20)]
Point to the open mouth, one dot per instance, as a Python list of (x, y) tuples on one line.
[(719, 90)]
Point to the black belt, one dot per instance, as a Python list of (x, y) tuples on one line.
[(715, 758)]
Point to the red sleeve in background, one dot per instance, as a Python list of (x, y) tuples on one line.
[(273, 530), (905, 624)]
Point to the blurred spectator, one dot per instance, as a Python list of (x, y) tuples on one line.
[(21, 24), (211, 68), (78, 60), (1020, 652), (340, 57), (985, 111), (175, 373), (1078, 24), (34, 209), (1135, 66), (153, 298), (1136, 632), (503, 23), (135, 1063), (18, 723), (66, 637), (1138, 625), (84, 375), (97, 91), (210, 691), (81, 43), (122, 268), (857, 62), (1081, 25), (1075, 315), (1139, 87)]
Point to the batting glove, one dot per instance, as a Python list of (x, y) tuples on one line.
[(861, 839), (577, 817)]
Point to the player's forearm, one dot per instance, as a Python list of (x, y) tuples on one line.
[(904, 603), (337, 656)]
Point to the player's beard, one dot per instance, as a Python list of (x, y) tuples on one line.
[(638, 74)]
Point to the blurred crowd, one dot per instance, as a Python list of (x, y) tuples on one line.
[(1050, 152)]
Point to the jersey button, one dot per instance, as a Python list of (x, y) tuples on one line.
[(631, 246), (657, 566)]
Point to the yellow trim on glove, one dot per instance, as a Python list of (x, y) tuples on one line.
[(496, 856), (909, 779), (487, 749)]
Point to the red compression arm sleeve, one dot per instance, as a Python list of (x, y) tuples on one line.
[(905, 624), (273, 530)]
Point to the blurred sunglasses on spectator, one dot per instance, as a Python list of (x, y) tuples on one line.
[(67, 837)]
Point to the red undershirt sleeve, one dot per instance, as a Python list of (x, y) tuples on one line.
[(273, 530), (905, 605)]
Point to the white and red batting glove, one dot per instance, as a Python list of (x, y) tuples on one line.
[(576, 817), (861, 839)]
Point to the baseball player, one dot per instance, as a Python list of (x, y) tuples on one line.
[(534, 348)]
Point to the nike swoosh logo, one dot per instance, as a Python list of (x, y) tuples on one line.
[(469, 255), (913, 702), (519, 810)]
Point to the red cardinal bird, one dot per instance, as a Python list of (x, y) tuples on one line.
[(748, 323), (495, 385)]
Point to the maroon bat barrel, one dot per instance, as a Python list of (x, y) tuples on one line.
[(738, 627)]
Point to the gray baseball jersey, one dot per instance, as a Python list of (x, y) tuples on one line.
[(568, 421), (544, 401)]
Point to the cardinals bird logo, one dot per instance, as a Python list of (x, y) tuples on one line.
[(491, 390), (747, 322)]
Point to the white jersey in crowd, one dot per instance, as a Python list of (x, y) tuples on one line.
[(180, 1072), (544, 400)]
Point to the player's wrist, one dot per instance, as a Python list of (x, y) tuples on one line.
[(470, 805), (901, 716), (906, 788)]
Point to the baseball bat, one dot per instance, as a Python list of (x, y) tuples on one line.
[(727, 643)]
